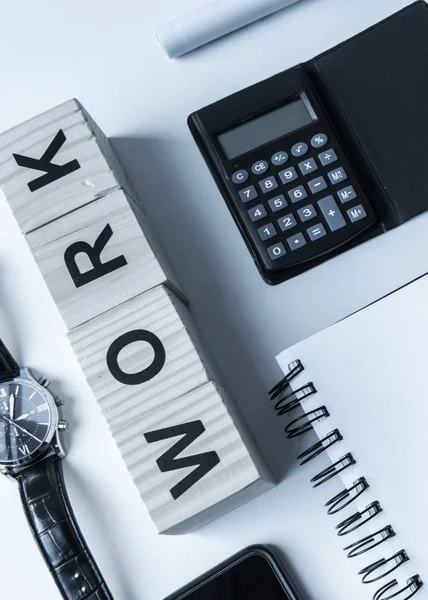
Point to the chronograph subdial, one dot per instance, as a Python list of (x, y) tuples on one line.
[(25, 421)]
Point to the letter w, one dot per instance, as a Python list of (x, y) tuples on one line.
[(52, 171), (169, 462)]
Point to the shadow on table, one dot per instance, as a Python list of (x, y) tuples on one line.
[(192, 244)]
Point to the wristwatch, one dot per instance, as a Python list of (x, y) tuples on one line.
[(31, 453)]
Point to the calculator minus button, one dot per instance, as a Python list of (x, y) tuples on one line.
[(260, 167), (249, 193), (332, 213), (240, 176), (279, 158), (299, 149), (288, 175), (317, 185)]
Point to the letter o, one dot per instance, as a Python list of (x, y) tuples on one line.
[(138, 335)]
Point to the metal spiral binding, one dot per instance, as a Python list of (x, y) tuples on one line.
[(286, 400)]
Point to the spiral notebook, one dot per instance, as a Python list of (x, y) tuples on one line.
[(362, 384)]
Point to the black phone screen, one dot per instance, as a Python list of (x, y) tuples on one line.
[(252, 578)]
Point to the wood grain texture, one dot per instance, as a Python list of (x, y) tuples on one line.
[(234, 480), (141, 272), (157, 311), (99, 172)]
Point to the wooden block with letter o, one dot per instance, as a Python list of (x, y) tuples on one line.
[(189, 461), (95, 258), (55, 163), (138, 356)]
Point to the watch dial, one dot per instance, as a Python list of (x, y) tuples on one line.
[(25, 420)]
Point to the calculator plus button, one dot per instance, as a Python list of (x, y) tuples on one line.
[(327, 157), (337, 176), (240, 176), (347, 194), (248, 194), (288, 175), (257, 213), (331, 213), (299, 149), (266, 232), (317, 185), (316, 232), (277, 203), (357, 213), (307, 212), (319, 140), (276, 251), (297, 194), (279, 158), (268, 184), (260, 167), (296, 241), (308, 166), (287, 222)]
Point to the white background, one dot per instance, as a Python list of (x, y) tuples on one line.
[(105, 53)]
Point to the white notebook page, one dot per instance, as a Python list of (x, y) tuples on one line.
[(371, 372)]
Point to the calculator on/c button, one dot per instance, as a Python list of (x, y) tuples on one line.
[(284, 175)]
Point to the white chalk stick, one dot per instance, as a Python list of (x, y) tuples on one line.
[(213, 21)]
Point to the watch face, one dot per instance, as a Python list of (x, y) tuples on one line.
[(25, 421)]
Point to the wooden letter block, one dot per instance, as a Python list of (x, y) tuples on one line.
[(189, 461), (95, 258), (138, 356), (55, 163)]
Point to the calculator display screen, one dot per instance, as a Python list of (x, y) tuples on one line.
[(266, 128)]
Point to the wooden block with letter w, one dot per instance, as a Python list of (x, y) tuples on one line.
[(131, 332)]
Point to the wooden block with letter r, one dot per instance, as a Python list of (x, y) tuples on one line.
[(189, 460)]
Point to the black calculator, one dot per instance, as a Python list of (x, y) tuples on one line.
[(284, 174)]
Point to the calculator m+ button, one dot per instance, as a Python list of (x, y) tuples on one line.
[(240, 176), (279, 158), (299, 149), (248, 194), (268, 184), (260, 167), (308, 166), (331, 213), (337, 176), (288, 175), (297, 194), (357, 213), (317, 185)]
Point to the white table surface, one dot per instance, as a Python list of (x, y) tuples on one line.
[(105, 53)]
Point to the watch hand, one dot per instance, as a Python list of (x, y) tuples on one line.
[(12, 405), (21, 428), (22, 417)]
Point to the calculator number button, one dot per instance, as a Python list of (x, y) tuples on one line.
[(266, 232), (316, 232), (327, 157), (257, 213), (260, 167), (347, 194), (299, 149), (308, 166), (277, 203), (279, 158), (317, 185), (307, 213), (337, 176), (277, 251), (288, 175), (240, 176), (268, 184), (248, 194), (319, 140), (287, 222), (357, 213), (332, 213), (296, 241), (297, 194)]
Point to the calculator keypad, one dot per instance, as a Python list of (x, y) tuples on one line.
[(305, 197)]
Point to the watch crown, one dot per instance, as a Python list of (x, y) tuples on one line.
[(59, 401), (63, 425), (44, 382)]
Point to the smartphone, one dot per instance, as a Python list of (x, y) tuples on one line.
[(253, 574)]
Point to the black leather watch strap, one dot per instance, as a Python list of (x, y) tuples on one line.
[(57, 534), (9, 368)]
